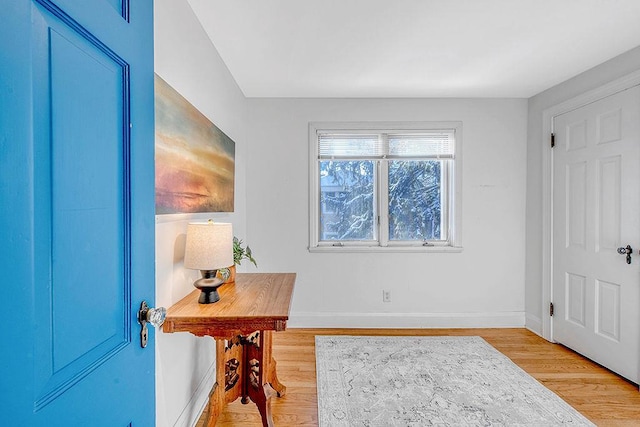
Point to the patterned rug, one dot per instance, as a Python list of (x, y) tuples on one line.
[(429, 381)]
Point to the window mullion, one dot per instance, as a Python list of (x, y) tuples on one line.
[(383, 205)]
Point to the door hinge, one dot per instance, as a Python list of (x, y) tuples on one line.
[(553, 140), (551, 309)]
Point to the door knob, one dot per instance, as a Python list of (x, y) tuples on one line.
[(626, 251), (155, 316)]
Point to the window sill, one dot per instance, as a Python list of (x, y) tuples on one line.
[(386, 249)]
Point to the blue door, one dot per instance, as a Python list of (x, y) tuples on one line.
[(76, 212)]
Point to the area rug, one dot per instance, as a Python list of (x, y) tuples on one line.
[(429, 381)]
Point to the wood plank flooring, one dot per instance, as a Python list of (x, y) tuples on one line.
[(603, 397)]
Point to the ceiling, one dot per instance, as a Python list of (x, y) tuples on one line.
[(414, 48)]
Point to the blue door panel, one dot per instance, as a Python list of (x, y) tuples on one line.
[(83, 176), (87, 182)]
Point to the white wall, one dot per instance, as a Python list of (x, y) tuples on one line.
[(591, 79), (186, 60), (482, 286)]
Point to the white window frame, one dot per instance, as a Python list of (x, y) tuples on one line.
[(452, 187)]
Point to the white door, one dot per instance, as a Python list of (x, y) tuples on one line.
[(596, 210)]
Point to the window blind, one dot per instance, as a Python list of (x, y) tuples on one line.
[(349, 146), (422, 145), (416, 145)]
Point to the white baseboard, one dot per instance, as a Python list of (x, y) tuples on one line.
[(191, 413), (515, 319), (533, 323)]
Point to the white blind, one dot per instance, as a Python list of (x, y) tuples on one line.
[(431, 145), (405, 145), (349, 146)]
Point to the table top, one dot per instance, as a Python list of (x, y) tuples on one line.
[(256, 301)]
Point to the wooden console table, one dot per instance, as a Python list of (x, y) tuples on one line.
[(241, 324)]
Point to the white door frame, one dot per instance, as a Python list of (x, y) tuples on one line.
[(618, 85)]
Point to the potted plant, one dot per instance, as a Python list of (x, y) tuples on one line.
[(240, 252)]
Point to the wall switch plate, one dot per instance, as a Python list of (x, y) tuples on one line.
[(386, 296)]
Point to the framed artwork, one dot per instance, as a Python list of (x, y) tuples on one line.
[(195, 161)]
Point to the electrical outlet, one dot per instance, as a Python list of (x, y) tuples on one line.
[(386, 296)]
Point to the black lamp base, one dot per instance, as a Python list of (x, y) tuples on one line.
[(208, 286), (209, 296)]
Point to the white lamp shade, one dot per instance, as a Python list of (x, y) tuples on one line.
[(209, 246)]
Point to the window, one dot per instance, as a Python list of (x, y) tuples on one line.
[(385, 186)]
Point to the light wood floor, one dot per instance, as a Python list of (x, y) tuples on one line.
[(603, 397)]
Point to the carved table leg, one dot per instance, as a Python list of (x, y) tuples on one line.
[(227, 387), (260, 380), (217, 394), (272, 379), (213, 409), (245, 368), (271, 376), (262, 398)]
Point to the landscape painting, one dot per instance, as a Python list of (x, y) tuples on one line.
[(195, 161)]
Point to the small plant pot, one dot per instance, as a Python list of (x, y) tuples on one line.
[(227, 274)]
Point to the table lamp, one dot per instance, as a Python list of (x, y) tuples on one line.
[(209, 247)]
